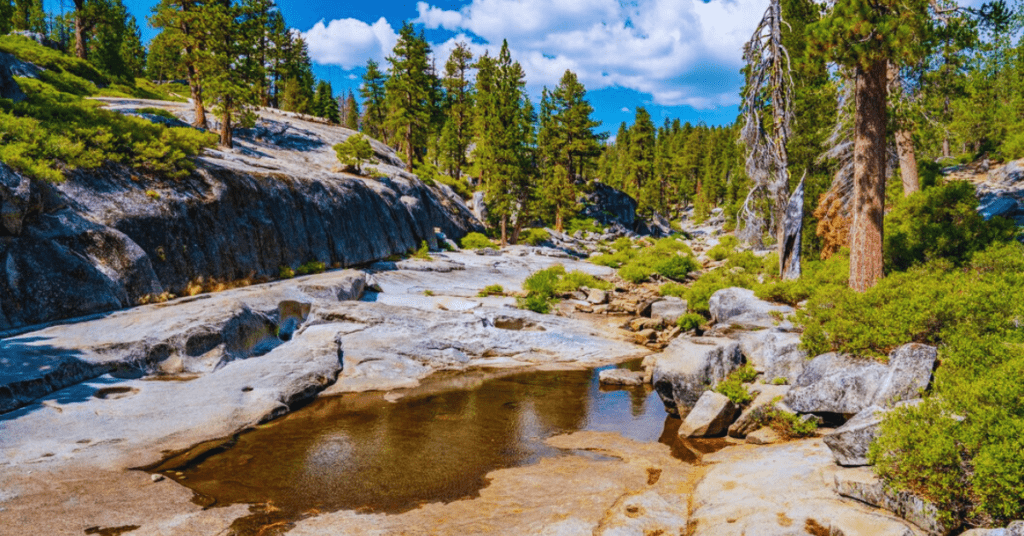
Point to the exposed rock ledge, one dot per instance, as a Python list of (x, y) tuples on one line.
[(105, 239)]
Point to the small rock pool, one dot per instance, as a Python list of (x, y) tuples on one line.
[(379, 452)]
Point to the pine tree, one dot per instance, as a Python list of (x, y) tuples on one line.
[(408, 92), (639, 170), (504, 131), (324, 104), (164, 60), (457, 132), (28, 15), (6, 16), (230, 73), (351, 111), (565, 141), (181, 20), (296, 70), (374, 102), (866, 36), (116, 40)]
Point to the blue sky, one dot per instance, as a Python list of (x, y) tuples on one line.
[(678, 58)]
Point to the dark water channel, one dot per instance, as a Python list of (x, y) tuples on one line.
[(359, 451)]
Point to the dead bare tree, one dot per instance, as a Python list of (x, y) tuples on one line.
[(768, 113)]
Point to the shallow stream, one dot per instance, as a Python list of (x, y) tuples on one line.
[(378, 452)]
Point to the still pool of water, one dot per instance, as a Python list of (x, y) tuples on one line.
[(360, 451)]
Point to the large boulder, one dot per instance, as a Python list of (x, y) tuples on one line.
[(709, 417), (740, 307), (9, 88), (688, 367), (910, 372), (774, 353), (850, 442), (609, 206), (837, 383), (668, 310)]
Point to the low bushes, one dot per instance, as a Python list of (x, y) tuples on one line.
[(533, 237), (667, 257), (960, 447), (543, 287), (476, 241), (55, 129)]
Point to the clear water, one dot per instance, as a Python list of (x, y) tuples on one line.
[(437, 443)]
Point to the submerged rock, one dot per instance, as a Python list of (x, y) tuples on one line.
[(621, 377)]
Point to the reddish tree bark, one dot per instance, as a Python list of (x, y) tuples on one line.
[(869, 177)]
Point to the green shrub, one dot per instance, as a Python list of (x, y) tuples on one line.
[(354, 151), (622, 244), (735, 390), (725, 247), (312, 267), (534, 237), (583, 224), (690, 321), (780, 381), (745, 374), (576, 280), (1013, 147), (940, 223), (56, 129), (544, 287), (826, 276), (635, 273), (491, 290), (476, 241), (423, 253), (52, 60), (157, 111), (286, 272), (673, 289), (677, 267), (611, 260), (536, 303), (968, 466), (918, 305)]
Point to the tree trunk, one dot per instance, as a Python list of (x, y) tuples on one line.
[(908, 162), (225, 125), (504, 230), (558, 218), (869, 177), (408, 148), (79, 29), (792, 234)]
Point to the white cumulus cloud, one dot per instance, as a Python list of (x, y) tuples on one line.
[(680, 52), (350, 42), (677, 51)]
